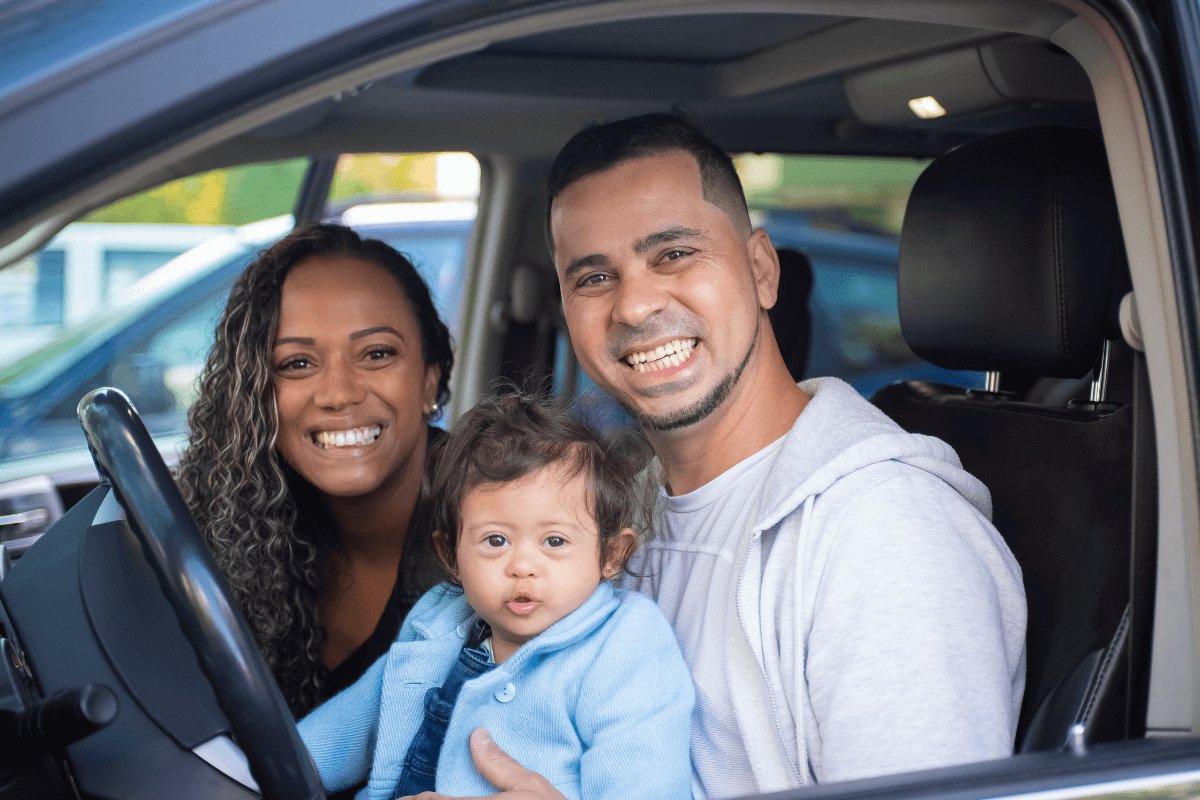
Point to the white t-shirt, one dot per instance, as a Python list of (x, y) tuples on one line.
[(691, 574)]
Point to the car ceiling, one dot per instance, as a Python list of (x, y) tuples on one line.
[(525, 96)]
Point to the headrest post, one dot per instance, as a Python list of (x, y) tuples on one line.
[(1100, 376), (991, 383)]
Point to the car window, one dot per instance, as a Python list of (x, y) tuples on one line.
[(85, 269)]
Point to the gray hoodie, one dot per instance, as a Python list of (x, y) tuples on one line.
[(885, 630)]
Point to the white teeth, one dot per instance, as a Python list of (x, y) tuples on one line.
[(349, 438), (671, 354)]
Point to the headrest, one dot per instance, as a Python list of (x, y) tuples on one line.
[(790, 317), (1008, 254)]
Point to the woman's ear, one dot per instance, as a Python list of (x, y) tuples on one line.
[(619, 552), (433, 376)]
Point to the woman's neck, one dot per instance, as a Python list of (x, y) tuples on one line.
[(374, 527)]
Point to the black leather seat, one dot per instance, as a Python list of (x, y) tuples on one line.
[(1010, 260), (791, 318)]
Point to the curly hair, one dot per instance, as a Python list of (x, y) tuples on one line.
[(266, 525)]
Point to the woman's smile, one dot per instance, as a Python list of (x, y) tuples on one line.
[(365, 435)]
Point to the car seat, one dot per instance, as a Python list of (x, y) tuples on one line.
[(790, 317), (1011, 262)]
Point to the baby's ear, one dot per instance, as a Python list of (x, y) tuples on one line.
[(442, 548), (619, 552)]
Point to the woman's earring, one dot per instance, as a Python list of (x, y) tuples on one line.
[(434, 408)]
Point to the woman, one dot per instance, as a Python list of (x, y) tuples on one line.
[(307, 450)]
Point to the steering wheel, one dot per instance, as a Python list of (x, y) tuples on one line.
[(155, 510)]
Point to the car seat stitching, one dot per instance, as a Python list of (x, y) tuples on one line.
[(1059, 264), (1110, 654)]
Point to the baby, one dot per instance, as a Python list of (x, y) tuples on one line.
[(533, 514)]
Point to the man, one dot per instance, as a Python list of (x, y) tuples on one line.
[(839, 593)]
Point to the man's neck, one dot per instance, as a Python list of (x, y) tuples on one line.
[(761, 409)]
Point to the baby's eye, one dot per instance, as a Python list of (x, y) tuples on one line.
[(496, 540), (555, 541)]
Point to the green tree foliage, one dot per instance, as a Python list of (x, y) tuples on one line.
[(233, 196)]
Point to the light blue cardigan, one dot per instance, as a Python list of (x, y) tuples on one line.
[(599, 704)]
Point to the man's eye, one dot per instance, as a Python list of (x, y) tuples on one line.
[(555, 541), (496, 540), (595, 279), (675, 255)]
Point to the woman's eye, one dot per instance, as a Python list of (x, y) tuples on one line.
[(380, 353), (496, 540), (293, 364), (555, 541)]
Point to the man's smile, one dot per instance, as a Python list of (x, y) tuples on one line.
[(665, 356)]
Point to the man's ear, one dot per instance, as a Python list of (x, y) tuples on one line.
[(618, 552), (764, 266)]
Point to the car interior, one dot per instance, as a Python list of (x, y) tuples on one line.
[(1035, 248)]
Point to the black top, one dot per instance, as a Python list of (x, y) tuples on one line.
[(415, 577)]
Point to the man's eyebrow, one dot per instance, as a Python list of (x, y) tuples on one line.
[(304, 340), (583, 262), (664, 236), (377, 329)]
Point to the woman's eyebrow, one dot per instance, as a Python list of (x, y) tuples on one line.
[(304, 340), (378, 329)]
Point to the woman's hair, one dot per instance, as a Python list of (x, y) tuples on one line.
[(265, 524), (510, 435)]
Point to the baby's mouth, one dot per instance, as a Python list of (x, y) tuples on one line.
[(522, 605), (665, 356), (354, 437)]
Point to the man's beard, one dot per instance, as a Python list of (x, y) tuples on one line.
[(702, 408)]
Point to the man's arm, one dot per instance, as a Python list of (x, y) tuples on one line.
[(915, 656)]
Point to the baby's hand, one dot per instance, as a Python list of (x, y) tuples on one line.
[(514, 781)]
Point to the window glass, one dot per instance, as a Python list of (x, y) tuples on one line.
[(86, 267), (365, 178)]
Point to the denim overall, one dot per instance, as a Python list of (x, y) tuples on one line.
[(420, 763)]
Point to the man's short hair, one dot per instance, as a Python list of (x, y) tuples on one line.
[(601, 147)]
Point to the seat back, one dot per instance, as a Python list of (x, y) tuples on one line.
[(1008, 261), (791, 318)]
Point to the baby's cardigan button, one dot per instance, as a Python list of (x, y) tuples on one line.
[(507, 693), (461, 630)]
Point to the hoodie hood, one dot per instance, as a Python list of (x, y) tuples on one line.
[(840, 432)]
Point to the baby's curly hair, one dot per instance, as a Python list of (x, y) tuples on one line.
[(509, 435)]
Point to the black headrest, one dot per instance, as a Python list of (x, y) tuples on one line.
[(790, 317), (1008, 254)]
